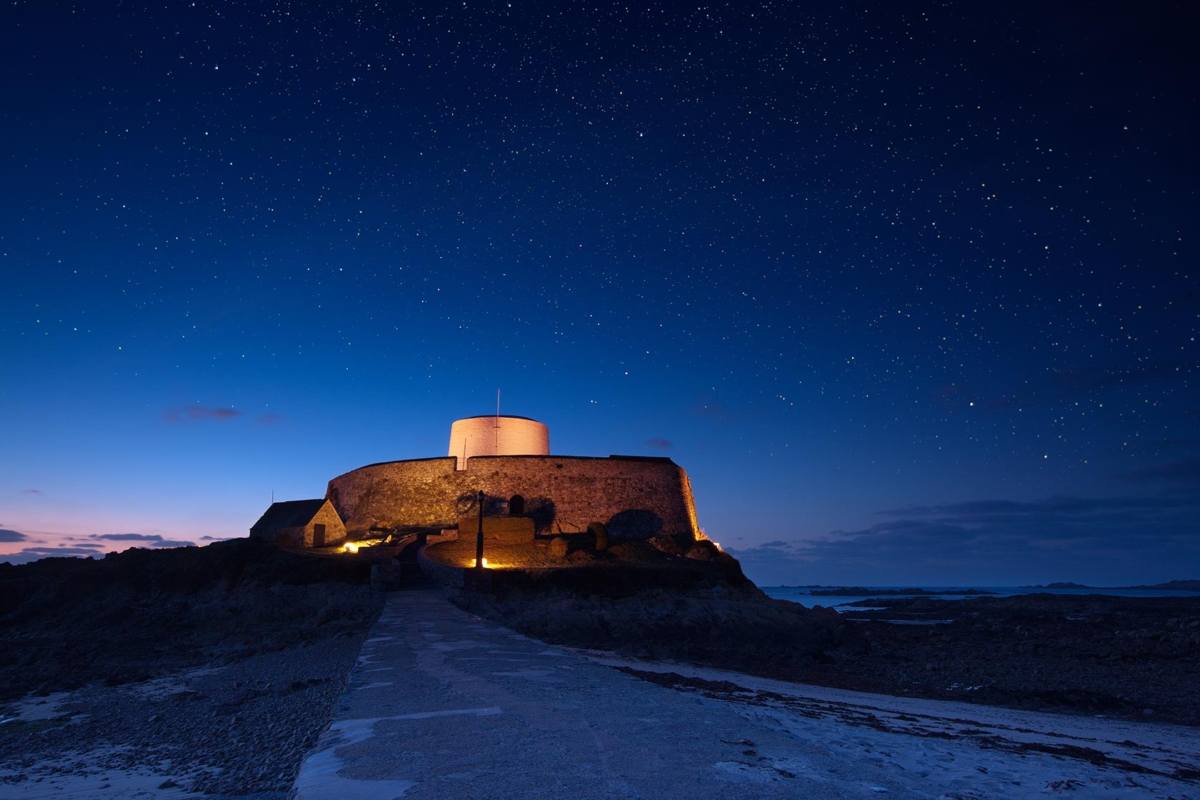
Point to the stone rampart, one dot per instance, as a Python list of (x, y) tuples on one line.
[(634, 497)]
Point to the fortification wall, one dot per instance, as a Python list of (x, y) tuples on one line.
[(397, 494), (635, 498)]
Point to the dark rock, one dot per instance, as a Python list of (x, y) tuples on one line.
[(1088, 654), (689, 612), (250, 608), (670, 545)]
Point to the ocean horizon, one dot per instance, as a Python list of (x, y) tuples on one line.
[(802, 595)]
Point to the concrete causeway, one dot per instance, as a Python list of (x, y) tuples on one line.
[(443, 704), (446, 705)]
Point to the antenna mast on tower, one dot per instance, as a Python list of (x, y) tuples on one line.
[(497, 425)]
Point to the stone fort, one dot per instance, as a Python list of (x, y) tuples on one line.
[(508, 459)]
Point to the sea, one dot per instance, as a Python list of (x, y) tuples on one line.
[(803, 596)]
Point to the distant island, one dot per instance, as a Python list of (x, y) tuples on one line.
[(857, 591), (1192, 585)]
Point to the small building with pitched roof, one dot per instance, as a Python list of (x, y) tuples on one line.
[(301, 523)]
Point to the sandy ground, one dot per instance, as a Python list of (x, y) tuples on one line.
[(444, 704)]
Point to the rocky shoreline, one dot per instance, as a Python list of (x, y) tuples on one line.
[(1134, 658), (1090, 654), (236, 729), (209, 671), (214, 670)]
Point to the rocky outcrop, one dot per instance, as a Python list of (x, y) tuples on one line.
[(704, 611), (1095, 654), (218, 665), (133, 615)]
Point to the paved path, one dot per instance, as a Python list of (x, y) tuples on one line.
[(445, 705)]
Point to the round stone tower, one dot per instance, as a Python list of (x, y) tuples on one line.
[(497, 436)]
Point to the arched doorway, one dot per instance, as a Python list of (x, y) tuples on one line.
[(516, 506)]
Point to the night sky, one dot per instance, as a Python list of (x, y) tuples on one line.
[(910, 290)]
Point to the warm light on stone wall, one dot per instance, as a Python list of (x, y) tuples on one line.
[(497, 436), (430, 492)]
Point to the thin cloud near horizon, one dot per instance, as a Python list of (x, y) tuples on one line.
[(213, 413), (38, 545), (199, 414), (1087, 540)]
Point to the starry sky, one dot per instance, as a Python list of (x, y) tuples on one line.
[(909, 289)]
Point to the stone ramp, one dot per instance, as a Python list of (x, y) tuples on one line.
[(446, 705)]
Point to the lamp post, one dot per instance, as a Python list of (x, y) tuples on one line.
[(479, 536)]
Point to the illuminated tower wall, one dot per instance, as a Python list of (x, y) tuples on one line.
[(497, 436)]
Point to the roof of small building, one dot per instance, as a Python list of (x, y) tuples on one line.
[(290, 514)]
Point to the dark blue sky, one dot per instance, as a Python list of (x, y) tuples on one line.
[(909, 289)]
